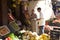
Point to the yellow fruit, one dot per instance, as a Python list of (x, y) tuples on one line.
[(14, 5), (44, 37)]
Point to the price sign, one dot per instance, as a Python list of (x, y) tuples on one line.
[(14, 25), (4, 30)]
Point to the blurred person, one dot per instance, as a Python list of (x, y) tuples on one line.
[(33, 15), (57, 18), (10, 16), (53, 23), (56, 22), (33, 21), (40, 21)]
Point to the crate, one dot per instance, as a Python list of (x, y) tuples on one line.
[(55, 34)]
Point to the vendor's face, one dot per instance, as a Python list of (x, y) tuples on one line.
[(39, 10)]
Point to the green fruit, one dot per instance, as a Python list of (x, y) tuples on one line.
[(14, 37)]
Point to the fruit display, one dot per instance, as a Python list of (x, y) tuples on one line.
[(28, 35), (11, 36), (44, 37), (8, 38)]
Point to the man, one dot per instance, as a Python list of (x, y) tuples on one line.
[(40, 21)]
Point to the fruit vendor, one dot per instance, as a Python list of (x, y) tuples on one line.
[(40, 21)]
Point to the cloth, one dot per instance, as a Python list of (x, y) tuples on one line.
[(40, 22), (40, 18), (33, 22), (41, 30), (39, 15), (33, 16), (33, 25)]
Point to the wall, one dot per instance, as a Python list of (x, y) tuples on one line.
[(46, 7), (32, 5)]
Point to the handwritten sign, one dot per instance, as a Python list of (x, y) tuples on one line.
[(14, 25), (4, 30)]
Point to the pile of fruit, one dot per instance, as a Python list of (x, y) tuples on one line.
[(28, 35), (12, 37), (44, 37)]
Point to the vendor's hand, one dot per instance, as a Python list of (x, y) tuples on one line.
[(55, 21), (47, 27)]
